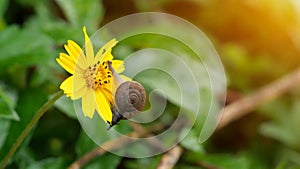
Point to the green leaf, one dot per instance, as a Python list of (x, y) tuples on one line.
[(57, 31), (4, 127), (288, 157), (29, 2), (3, 6), (178, 72), (29, 103), (239, 60), (150, 162), (23, 158), (282, 165), (191, 142), (82, 12), (84, 144), (17, 46), (22, 57), (6, 109), (228, 161), (49, 163), (106, 161), (46, 21), (65, 105), (284, 125), (224, 161)]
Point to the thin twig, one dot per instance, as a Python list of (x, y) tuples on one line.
[(267, 93), (112, 145), (28, 128), (170, 158)]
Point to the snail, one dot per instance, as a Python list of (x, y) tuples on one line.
[(129, 99)]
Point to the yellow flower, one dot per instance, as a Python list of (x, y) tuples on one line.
[(92, 77)]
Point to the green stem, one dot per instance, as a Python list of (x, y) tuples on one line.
[(29, 126)]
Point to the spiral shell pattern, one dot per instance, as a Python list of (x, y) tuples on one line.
[(130, 98)]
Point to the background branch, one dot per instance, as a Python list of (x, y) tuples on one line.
[(110, 145), (170, 158), (267, 93), (114, 144)]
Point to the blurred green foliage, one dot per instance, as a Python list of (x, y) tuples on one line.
[(284, 113), (31, 37), (32, 34)]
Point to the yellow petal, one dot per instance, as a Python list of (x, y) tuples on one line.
[(89, 51), (89, 103), (79, 86), (65, 62), (103, 107), (76, 54), (118, 65), (73, 49), (81, 63), (67, 85), (107, 91), (107, 56), (104, 50), (126, 78), (66, 57), (79, 93), (78, 81)]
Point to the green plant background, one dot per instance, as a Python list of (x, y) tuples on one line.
[(257, 42)]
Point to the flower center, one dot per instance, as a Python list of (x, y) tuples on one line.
[(98, 76)]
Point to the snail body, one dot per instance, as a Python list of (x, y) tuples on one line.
[(130, 99)]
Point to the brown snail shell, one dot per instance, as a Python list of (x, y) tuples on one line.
[(130, 99)]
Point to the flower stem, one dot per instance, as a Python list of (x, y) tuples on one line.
[(29, 126)]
